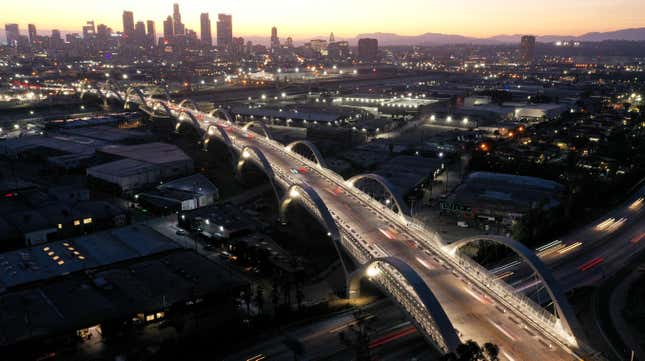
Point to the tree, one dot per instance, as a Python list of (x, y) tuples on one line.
[(471, 351)]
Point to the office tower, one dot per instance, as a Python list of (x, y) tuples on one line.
[(140, 33), (32, 33), (152, 33), (12, 31), (168, 32), (89, 29), (318, 45), (527, 48), (205, 33), (55, 41), (331, 38), (338, 50), (275, 41), (178, 26), (224, 31), (128, 23), (289, 42), (367, 49)]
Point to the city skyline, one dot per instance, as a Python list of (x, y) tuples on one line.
[(310, 20)]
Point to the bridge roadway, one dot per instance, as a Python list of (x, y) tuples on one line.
[(370, 231)]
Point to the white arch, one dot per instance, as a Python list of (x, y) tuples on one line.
[(212, 132), (260, 160), (156, 104), (388, 187), (223, 112), (306, 195), (185, 116), (565, 312), (114, 88), (132, 91), (190, 102), (448, 339), (312, 147), (265, 129)]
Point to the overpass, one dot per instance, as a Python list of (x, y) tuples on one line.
[(447, 295)]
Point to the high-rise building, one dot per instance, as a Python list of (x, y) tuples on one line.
[(318, 45), (367, 49), (205, 31), (55, 41), (140, 33), (128, 23), (338, 50), (331, 38), (152, 33), (168, 31), (527, 48), (33, 35), (275, 41), (89, 29), (224, 31), (178, 26), (12, 31), (289, 43)]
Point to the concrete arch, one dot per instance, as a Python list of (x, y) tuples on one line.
[(305, 193), (161, 105), (265, 129), (389, 188), (110, 86), (449, 340), (312, 148), (189, 102), (215, 131), (159, 90), (223, 112), (186, 117), (131, 93), (565, 313), (262, 161)]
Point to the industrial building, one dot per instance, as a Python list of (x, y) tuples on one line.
[(182, 194), (501, 198), (139, 166), (103, 284)]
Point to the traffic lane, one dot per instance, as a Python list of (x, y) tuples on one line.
[(476, 316), (453, 299)]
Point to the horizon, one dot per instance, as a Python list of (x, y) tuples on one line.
[(303, 21)]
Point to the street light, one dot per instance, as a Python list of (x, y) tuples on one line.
[(372, 271), (294, 193)]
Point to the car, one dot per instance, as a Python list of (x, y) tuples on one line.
[(294, 171)]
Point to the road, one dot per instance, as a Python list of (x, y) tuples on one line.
[(474, 315), (477, 313)]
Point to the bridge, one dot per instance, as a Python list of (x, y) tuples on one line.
[(448, 296)]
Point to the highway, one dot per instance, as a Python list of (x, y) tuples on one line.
[(476, 308)]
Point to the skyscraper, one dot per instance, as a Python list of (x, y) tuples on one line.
[(205, 33), (89, 29), (140, 33), (12, 31), (152, 33), (275, 41), (33, 35), (128, 23), (527, 48), (177, 24), (367, 49), (168, 31), (224, 31)]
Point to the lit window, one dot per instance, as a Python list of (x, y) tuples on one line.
[(61, 262), (60, 226), (160, 315), (150, 318), (46, 249), (77, 222), (56, 258), (87, 220)]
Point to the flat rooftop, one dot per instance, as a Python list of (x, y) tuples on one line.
[(155, 153), (55, 259), (117, 292)]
